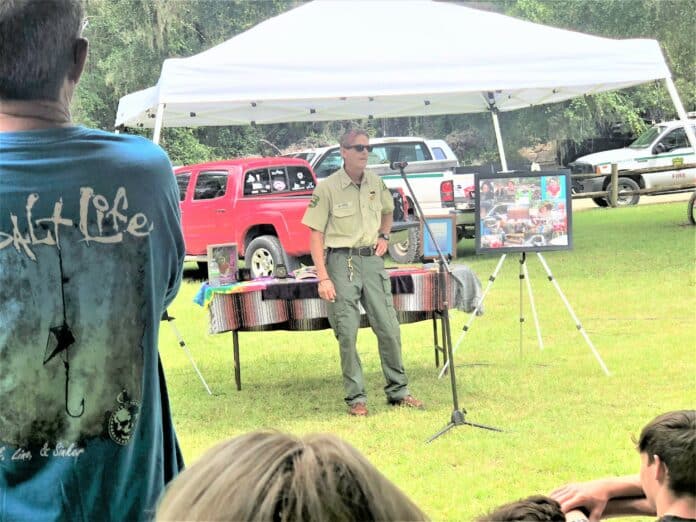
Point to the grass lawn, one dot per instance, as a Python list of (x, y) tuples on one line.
[(631, 281)]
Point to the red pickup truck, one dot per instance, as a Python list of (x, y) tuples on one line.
[(257, 203)]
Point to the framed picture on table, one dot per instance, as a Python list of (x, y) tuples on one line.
[(222, 264), (444, 234)]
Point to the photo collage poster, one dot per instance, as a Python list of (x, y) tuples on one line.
[(523, 212)]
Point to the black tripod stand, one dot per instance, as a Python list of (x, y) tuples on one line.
[(458, 415)]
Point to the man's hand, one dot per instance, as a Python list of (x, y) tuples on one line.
[(327, 290), (382, 247), (594, 495), (590, 495)]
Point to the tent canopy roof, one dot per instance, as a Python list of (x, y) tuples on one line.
[(408, 58)]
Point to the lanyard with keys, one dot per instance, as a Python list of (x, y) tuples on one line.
[(350, 268)]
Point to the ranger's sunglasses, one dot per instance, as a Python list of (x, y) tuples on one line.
[(360, 147)]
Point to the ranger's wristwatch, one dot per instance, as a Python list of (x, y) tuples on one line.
[(383, 236)]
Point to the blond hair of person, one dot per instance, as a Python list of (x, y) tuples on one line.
[(280, 477)]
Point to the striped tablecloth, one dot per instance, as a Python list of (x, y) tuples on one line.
[(249, 311)]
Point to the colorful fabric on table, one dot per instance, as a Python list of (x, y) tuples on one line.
[(206, 292)]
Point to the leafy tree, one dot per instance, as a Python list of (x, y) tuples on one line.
[(668, 21)]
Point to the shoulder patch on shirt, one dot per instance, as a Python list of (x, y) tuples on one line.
[(314, 202)]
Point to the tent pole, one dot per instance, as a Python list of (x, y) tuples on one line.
[(499, 139), (681, 112), (158, 123)]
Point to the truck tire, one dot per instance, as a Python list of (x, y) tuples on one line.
[(600, 202), (690, 209), (626, 184), (408, 251), (262, 256)]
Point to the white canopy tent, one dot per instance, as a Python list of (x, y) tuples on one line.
[(339, 59)]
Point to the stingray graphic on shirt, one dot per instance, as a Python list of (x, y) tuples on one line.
[(71, 340)]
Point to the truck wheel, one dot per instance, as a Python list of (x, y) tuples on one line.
[(262, 255), (600, 202), (690, 209), (408, 251), (626, 184)]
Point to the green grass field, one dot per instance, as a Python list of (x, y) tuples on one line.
[(631, 281)]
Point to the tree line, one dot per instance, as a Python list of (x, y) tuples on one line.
[(131, 38)]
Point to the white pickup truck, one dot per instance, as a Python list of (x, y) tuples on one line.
[(662, 145), (429, 161)]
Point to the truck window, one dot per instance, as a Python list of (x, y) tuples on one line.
[(279, 179), (647, 137), (257, 181), (402, 152), (329, 164), (676, 139), (421, 153), (210, 184), (182, 181), (439, 153), (300, 178)]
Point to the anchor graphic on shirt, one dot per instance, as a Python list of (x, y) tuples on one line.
[(64, 339)]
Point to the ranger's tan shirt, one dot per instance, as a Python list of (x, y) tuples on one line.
[(349, 215)]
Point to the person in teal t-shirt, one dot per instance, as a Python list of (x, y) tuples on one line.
[(91, 255)]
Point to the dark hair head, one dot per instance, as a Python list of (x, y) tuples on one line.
[(536, 507), (348, 136), (37, 38), (672, 437), (279, 477)]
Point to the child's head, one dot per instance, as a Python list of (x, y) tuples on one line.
[(536, 507), (667, 447), (276, 476)]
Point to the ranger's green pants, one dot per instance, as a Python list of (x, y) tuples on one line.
[(371, 286)]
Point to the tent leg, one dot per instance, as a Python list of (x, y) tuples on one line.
[(499, 140), (158, 123), (681, 112)]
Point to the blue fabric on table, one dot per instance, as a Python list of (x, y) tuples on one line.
[(467, 288)]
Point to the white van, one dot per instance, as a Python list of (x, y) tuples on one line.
[(662, 145)]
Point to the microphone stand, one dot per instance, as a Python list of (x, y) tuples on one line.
[(458, 415)]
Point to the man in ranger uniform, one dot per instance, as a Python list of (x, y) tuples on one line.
[(350, 215)]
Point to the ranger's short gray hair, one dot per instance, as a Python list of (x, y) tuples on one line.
[(348, 136), (37, 38)]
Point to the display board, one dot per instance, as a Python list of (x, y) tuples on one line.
[(523, 211)]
